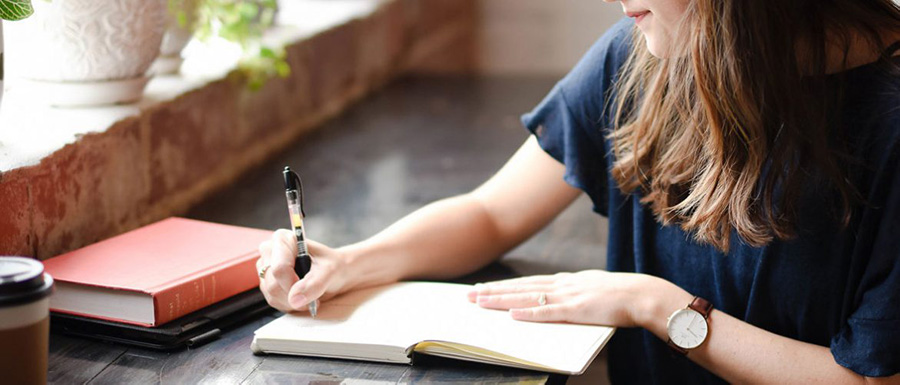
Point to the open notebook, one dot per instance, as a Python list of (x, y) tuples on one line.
[(390, 323)]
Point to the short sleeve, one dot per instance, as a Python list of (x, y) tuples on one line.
[(869, 342), (572, 121)]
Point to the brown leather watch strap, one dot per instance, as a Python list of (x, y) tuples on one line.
[(676, 348), (702, 306)]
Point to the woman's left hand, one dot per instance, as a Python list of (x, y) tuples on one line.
[(587, 297)]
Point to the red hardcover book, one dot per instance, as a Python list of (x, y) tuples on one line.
[(156, 273)]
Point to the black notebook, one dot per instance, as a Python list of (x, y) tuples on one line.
[(192, 330)]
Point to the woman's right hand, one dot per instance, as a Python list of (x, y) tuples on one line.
[(282, 287)]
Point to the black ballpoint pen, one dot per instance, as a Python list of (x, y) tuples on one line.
[(294, 192)]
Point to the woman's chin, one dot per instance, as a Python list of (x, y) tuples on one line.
[(658, 47)]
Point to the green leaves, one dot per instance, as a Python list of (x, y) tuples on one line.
[(15, 9), (244, 22), (265, 64)]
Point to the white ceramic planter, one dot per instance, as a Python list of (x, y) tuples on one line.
[(85, 52), (2, 64), (175, 38)]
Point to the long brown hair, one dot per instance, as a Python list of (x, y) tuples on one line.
[(724, 134)]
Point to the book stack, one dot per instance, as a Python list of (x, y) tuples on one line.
[(157, 273)]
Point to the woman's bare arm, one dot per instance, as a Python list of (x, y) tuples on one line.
[(459, 235), (445, 239)]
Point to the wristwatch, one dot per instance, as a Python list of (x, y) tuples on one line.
[(689, 327)]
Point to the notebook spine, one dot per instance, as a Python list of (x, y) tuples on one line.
[(194, 294)]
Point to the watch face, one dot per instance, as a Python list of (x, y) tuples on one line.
[(687, 328)]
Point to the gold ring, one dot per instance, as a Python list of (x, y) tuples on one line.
[(262, 273), (542, 299)]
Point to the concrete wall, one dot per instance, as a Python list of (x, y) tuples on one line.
[(540, 37), (176, 152)]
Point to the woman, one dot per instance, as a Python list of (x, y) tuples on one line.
[(747, 154)]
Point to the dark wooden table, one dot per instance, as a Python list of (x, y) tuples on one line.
[(419, 140)]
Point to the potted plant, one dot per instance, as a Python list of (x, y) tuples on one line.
[(239, 22), (244, 22), (11, 10), (85, 52), (181, 22)]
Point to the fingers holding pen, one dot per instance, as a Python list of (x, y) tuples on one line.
[(304, 291), (275, 267), (300, 294), (273, 292), (325, 279), (288, 240), (265, 251), (277, 298), (282, 265), (283, 288)]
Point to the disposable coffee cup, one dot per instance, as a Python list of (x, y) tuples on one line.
[(24, 320)]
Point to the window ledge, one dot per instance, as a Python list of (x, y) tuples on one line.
[(70, 177), (30, 131)]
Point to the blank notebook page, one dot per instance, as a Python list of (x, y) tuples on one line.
[(408, 313)]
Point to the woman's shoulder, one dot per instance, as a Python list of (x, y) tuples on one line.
[(871, 127), (872, 105)]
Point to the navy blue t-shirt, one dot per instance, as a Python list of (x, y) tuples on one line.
[(832, 286)]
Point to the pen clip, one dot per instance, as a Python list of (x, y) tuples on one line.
[(292, 182)]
